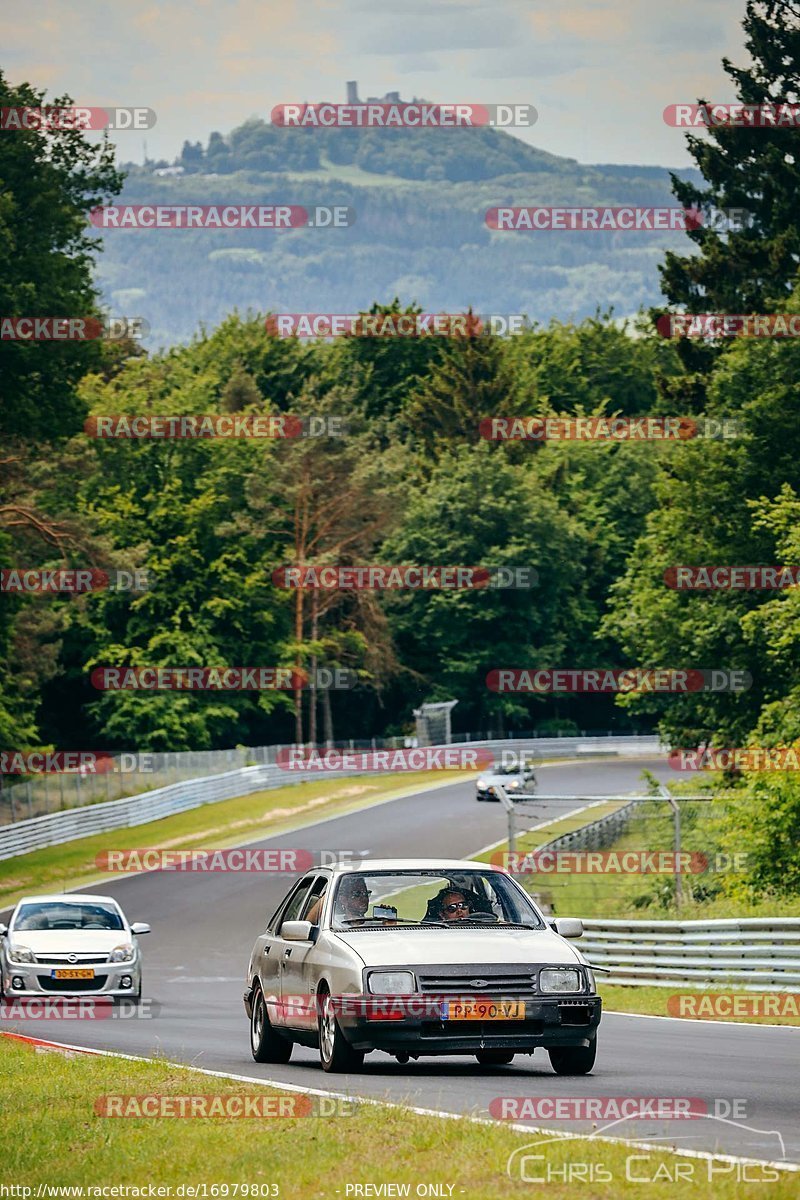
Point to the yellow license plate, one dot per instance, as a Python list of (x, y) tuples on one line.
[(74, 973), (483, 1010)]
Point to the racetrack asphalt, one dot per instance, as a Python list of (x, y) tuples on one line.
[(204, 926)]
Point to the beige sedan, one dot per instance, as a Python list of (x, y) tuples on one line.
[(419, 957)]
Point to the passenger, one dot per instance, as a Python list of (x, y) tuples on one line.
[(453, 906)]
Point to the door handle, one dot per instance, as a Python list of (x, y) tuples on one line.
[(287, 953)]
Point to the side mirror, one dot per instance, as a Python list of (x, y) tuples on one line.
[(3, 930), (140, 927), (569, 927), (296, 931)]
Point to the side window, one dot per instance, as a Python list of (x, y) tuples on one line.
[(277, 917), (312, 909), (292, 910)]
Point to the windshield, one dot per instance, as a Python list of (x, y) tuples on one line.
[(62, 915), (458, 899)]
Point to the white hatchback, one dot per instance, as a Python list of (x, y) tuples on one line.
[(68, 945)]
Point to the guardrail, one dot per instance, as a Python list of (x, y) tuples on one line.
[(133, 773), (53, 829), (750, 953), (57, 828)]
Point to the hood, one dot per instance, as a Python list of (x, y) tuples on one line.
[(393, 945), (71, 941), (490, 778)]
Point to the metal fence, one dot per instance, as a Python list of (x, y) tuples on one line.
[(36, 832), (749, 953), (57, 828), (51, 793)]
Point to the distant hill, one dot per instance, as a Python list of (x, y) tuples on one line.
[(420, 197)]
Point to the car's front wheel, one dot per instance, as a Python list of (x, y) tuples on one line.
[(495, 1058), (335, 1052), (266, 1045), (573, 1060)]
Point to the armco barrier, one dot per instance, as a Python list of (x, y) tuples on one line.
[(750, 953), (55, 828)]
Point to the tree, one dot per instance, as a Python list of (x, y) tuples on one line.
[(754, 268), (49, 183)]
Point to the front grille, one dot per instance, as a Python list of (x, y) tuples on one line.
[(72, 985), (492, 979), (62, 960)]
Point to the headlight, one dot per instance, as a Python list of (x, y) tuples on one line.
[(391, 983), (512, 783), (559, 979), (122, 953), (20, 954), (481, 783)]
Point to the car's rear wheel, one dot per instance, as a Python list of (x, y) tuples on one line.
[(573, 1060), (335, 1052), (266, 1045), (495, 1058)]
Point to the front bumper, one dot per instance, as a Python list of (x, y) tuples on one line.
[(37, 980), (551, 1021)]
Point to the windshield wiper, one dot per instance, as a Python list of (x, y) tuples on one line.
[(360, 921)]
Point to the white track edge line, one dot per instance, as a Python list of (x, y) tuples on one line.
[(704, 1155)]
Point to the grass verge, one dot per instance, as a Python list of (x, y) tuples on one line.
[(53, 1136), (652, 1002), (213, 826)]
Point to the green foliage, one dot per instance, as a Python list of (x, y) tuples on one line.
[(49, 182)]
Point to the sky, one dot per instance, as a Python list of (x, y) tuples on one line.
[(599, 72)]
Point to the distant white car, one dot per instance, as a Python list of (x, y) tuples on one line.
[(419, 957), (515, 778), (68, 945)]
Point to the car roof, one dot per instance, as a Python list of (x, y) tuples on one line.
[(444, 865)]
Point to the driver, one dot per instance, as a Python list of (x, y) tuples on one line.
[(352, 899)]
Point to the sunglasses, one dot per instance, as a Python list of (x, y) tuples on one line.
[(362, 895), (451, 908)]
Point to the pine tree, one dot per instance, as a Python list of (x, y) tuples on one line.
[(755, 169)]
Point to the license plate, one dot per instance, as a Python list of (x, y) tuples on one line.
[(73, 973), (483, 1010)]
